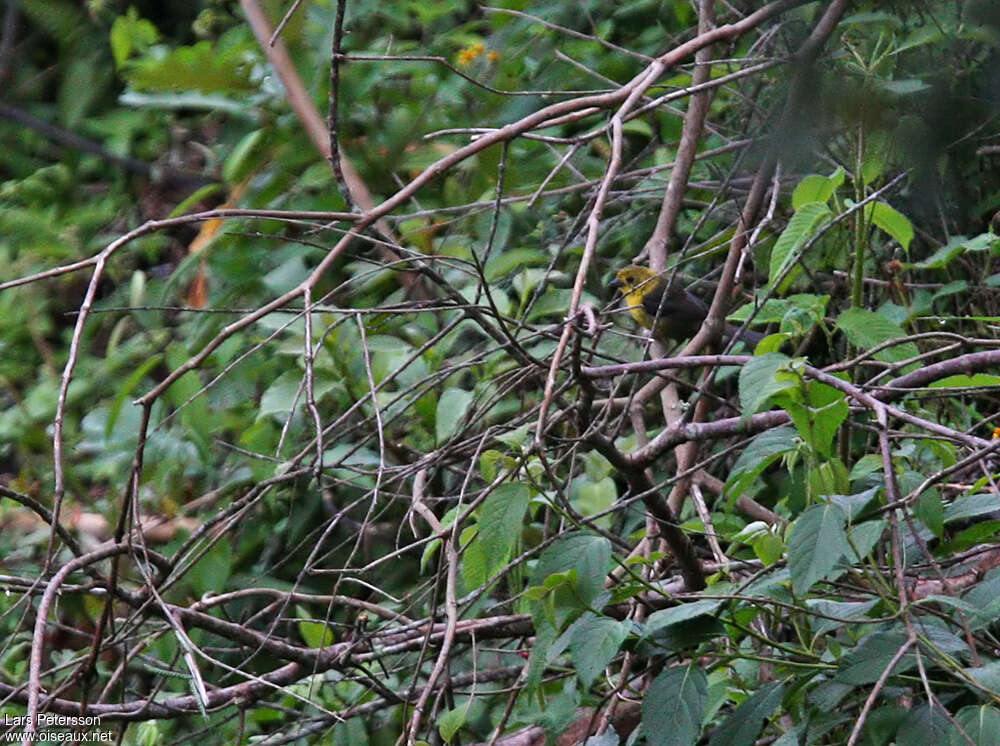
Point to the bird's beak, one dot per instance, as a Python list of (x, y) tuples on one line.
[(615, 284)]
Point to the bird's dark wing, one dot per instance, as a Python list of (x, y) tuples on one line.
[(679, 305)]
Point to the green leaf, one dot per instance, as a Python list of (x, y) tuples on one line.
[(769, 548), (681, 613), (944, 256), (761, 453), (816, 545), (314, 634), (925, 725), (867, 661), (798, 231), (500, 520), (987, 676), (591, 498), (981, 723), (867, 464), (588, 555), (930, 510), (131, 34), (127, 388), (200, 67), (281, 395), (971, 506), (762, 377), (451, 721), (845, 610), (864, 537), (743, 726), (976, 616), (211, 572), (866, 329), (977, 380), (194, 198), (244, 157), (819, 417), (508, 261), (474, 558), (595, 641), (451, 411), (892, 222), (856, 504), (816, 188), (674, 706)]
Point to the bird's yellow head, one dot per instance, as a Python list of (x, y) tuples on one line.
[(633, 278)]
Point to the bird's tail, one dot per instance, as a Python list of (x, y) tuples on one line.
[(747, 336)]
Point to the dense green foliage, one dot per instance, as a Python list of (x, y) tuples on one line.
[(428, 531)]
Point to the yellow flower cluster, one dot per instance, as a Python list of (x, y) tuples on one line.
[(470, 53)]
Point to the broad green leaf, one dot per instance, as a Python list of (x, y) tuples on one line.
[(867, 464), (799, 230), (131, 34), (315, 634), (929, 509), (816, 545), (595, 641), (474, 558), (867, 661), (892, 222), (451, 721), (971, 506), (500, 520), (976, 380), (588, 555), (681, 613), (489, 464), (761, 378), (185, 393), (854, 505), (845, 610), (816, 188), (743, 726), (451, 411), (867, 329), (591, 498), (769, 548), (943, 256), (539, 659), (200, 67), (981, 723), (924, 725), (281, 395), (774, 310), (510, 260), (987, 676), (761, 453), (597, 467), (211, 572), (674, 705), (864, 537), (819, 417), (976, 617)]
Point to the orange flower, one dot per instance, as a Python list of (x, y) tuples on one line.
[(470, 53)]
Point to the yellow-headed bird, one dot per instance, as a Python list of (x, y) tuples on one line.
[(668, 309)]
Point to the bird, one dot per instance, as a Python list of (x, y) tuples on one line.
[(672, 312)]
